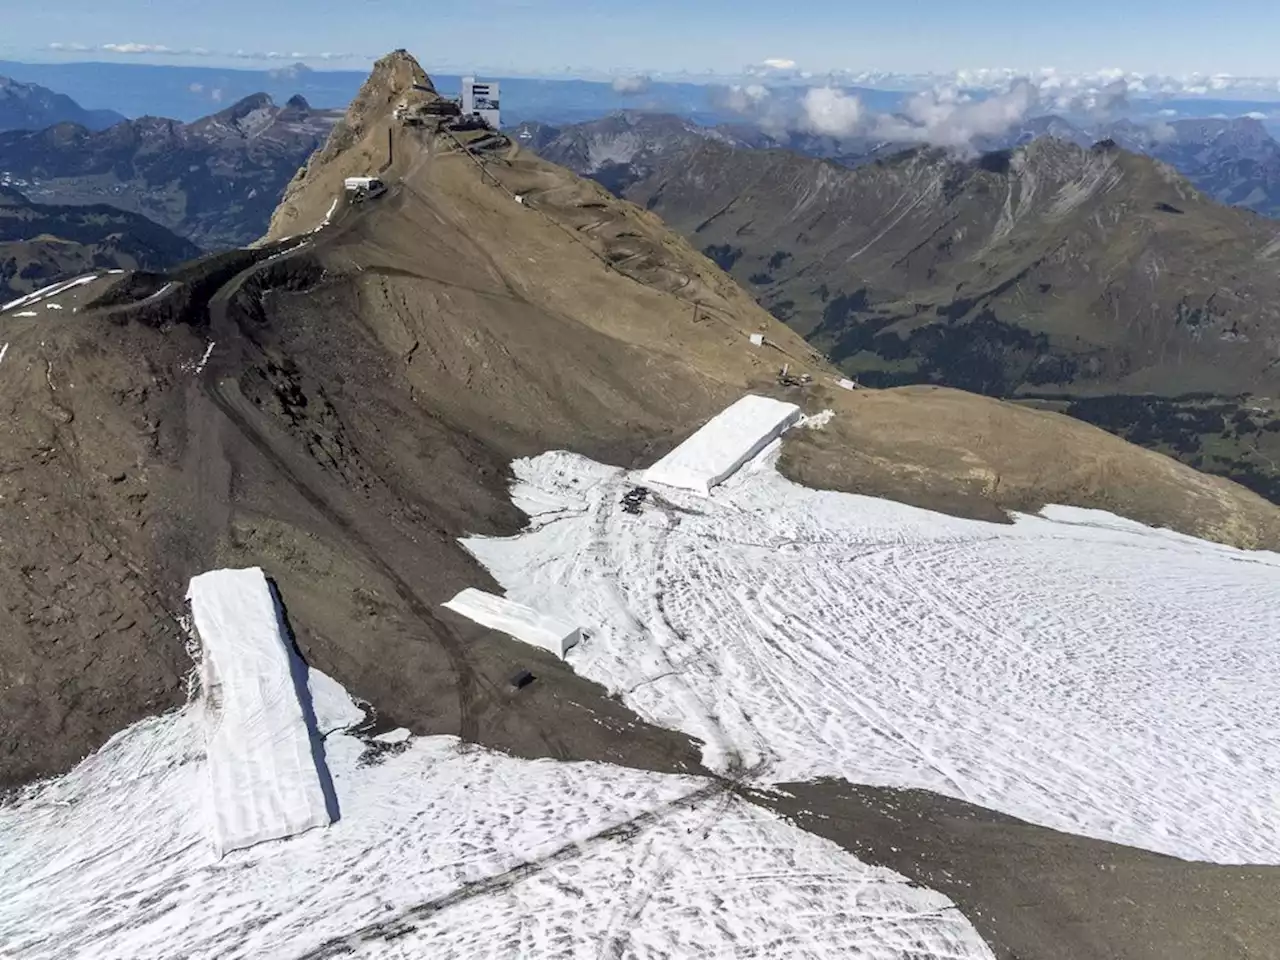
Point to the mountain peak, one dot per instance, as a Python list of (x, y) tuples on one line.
[(245, 106), (297, 102), (396, 73), (358, 143), (393, 77)]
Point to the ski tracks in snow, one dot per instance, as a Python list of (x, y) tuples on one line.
[(1076, 670)]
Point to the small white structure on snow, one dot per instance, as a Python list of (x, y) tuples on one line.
[(757, 339), (516, 620), (846, 384), (264, 781), (723, 444)]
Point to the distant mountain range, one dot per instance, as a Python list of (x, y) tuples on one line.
[(1088, 279), (189, 92), (26, 106), (40, 244), (215, 181), (1235, 161)]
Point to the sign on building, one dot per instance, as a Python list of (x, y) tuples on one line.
[(479, 96)]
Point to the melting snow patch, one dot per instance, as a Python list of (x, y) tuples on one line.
[(4, 348), (53, 306), (1076, 670), (325, 222), (27, 313), (723, 444), (45, 293), (204, 359), (818, 420), (516, 620), (441, 852), (265, 780)]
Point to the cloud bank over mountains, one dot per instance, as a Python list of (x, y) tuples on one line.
[(1219, 85), (953, 111), (134, 49)]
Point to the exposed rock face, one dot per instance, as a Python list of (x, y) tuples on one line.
[(214, 181)]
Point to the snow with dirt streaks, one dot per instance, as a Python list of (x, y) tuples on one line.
[(1073, 669), (44, 293), (442, 851), (266, 778)]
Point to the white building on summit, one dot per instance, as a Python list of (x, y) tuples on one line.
[(481, 97)]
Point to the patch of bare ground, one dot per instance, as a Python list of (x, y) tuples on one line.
[(960, 453), (1036, 894)]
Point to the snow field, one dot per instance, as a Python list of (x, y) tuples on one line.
[(723, 444), (1076, 670), (442, 851), (265, 778)]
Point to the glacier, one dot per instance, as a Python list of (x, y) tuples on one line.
[(1073, 669)]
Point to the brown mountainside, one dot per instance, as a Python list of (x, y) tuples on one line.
[(1095, 278)]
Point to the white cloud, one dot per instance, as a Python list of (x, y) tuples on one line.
[(832, 112), (130, 49), (1218, 85), (948, 117), (632, 85), (742, 98), (135, 49), (196, 88), (215, 95), (777, 68)]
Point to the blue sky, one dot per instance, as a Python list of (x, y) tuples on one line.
[(1157, 36)]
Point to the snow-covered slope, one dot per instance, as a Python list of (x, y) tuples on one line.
[(444, 852), (1076, 670)]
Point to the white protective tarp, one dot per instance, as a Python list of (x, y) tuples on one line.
[(264, 780), (723, 444), (516, 620)]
